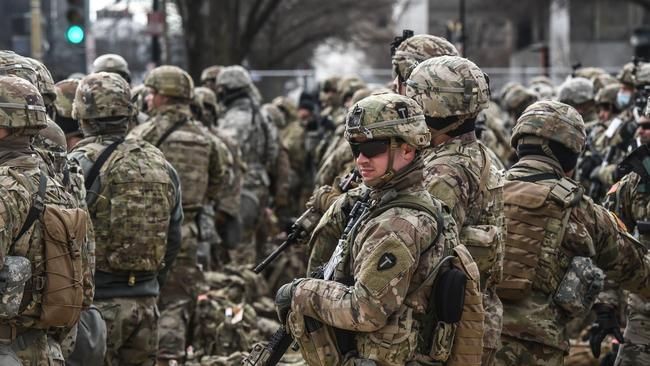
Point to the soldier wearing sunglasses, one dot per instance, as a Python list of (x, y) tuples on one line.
[(373, 264)]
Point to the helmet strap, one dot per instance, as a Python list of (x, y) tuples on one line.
[(448, 128), (390, 172)]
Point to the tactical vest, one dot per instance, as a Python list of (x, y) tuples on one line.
[(132, 208), (52, 238), (537, 217)]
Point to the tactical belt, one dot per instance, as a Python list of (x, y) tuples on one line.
[(19, 342)]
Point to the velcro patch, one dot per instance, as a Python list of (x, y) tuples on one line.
[(386, 261)]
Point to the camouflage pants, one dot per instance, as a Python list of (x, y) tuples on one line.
[(42, 351), (132, 330), (636, 349), (177, 301), (517, 352)]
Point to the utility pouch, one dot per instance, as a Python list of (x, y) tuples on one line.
[(15, 272), (443, 340), (579, 288), (317, 342), (482, 243), (450, 295)]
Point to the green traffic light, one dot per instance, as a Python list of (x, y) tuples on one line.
[(74, 34)]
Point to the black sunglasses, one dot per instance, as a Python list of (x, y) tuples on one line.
[(644, 126), (369, 149)]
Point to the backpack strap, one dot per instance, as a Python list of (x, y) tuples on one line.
[(37, 207), (537, 177), (171, 130), (93, 173)]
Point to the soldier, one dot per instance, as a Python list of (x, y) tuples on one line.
[(630, 200), (257, 139), (65, 91), (209, 77), (42, 228), (135, 203), (111, 62), (556, 238), (458, 170), (543, 87), (578, 92), (515, 100), (377, 284), (193, 152)]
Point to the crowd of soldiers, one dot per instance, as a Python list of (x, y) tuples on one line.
[(425, 222)]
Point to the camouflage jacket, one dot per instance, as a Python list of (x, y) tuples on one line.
[(84, 156), (461, 173), (386, 260), (19, 181), (192, 150), (257, 139), (591, 229)]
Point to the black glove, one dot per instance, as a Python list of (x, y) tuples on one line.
[(283, 299), (606, 323)]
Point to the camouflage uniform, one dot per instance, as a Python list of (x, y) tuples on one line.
[(538, 284), (148, 216), (578, 92), (370, 294), (193, 152), (24, 333), (257, 139), (630, 200), (331, 116), (460, 172), (65, 91)]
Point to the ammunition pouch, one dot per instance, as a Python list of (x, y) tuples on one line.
[(482, 241), (317, 341), (581, 284), (13, 276)]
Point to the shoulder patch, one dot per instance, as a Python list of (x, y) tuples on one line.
[(386, 261)]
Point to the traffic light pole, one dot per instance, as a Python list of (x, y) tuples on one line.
[(36, 33)]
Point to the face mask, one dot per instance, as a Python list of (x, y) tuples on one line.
[(623, 99)]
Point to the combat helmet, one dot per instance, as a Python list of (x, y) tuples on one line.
[(416, 49), (517, 99), (449, 86), (45, 81), (274, 115), (287, 106), (607, 94), (589, 73), (575, 91), (234, 77), (626, 74), (387, 116), (171, 81), (65, 91), (548, 120), (111, 62), (209, 74), (21, 105), (329, 91), (12, 63), (348, 86), (102, 95), (205, 106), (642, 74)]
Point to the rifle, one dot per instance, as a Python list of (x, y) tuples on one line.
[(637, 161), (303, 225), (271, 354)]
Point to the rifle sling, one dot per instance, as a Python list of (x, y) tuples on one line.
[(37, 207), (93, 173)]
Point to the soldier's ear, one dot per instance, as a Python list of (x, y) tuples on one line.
[(407, 151)]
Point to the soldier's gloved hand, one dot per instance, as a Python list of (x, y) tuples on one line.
[(606, 323), (283, 299)]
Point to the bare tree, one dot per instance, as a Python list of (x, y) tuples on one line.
[(277, 33)]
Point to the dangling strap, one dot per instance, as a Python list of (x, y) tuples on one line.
[(171, 130), (93, 173), (38, 205)]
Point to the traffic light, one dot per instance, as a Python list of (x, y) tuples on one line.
[(76, 28)]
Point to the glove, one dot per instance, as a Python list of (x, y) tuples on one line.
[(606, 323), (283, 299)]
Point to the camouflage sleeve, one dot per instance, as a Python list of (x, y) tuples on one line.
[(383, 268), (617, 199), (327, 233), (272, 144), (450, 185), (281, 179), (617, 253), (174, 231), (218, 167), (228, 194), (14, 205)]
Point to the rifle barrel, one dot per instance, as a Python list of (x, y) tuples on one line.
[(262, 265)]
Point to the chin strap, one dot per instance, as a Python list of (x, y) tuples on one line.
[(390, 173)]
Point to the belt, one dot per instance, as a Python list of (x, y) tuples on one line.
[(18, 342)]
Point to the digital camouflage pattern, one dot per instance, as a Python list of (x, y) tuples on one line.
[(418, 48), (111, 62), (210, 74), (580, 286), (21, 105), (553, 121), (15, 272), (576, 91), (387, 115), (171, 81), (630, 200), (234, 77), (448, 86)]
